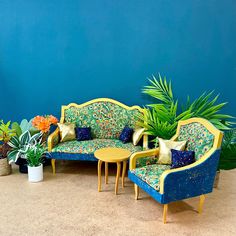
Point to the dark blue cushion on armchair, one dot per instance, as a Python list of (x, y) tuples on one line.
[(83, 133), (181, 158)]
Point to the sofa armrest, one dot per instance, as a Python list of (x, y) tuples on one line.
[(141, 154), (53, 139), (192, 180)]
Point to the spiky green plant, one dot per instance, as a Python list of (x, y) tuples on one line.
[(161, 119), (35, 155), (228, 151)]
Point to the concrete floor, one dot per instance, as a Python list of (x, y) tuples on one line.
[(69, 204)]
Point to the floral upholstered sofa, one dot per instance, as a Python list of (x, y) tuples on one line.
[(106, 118)]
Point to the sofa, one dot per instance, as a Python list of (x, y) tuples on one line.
[(106, 118), (168, 185)]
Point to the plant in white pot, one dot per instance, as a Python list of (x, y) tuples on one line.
[(34, 159)]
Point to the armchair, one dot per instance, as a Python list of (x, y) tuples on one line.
[(167, 185)]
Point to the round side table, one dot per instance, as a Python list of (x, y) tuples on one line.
[(112, 155)]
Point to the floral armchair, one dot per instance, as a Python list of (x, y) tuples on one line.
[(167, 185), (106, 118)]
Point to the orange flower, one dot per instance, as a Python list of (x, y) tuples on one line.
[(37, 120), (43, 125), (52, 119)]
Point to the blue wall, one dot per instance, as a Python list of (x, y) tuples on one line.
[(53, 52)]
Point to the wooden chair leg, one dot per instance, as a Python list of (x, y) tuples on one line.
[(165, 213), (136, 190), (53, 163), (201, 202)]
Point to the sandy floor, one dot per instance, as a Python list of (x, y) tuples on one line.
[(69, 204)]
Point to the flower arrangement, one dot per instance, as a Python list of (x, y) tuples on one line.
[(43, 123)]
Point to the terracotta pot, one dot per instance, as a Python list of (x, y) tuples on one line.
[(5, 168)]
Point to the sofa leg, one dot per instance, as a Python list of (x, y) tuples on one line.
[(201, 202), (165, 213), (136, 190), (53, 163)]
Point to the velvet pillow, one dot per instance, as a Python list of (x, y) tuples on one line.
[(137, 135), (182, 158), (126, 134), (67, 131), (83, 134), (165, 147)]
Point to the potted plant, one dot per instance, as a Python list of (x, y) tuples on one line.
[(161, 118), (19, 147), (34, 159), (5, 135), (228, 154)]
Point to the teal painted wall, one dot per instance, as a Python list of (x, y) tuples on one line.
[(53, 52)]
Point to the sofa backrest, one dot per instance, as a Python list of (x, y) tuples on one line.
[(106, 117), (200, 134)]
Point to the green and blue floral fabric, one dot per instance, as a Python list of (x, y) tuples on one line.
[(90, 146), (106, 119), (198, 138), (151, 174), (144, 161)]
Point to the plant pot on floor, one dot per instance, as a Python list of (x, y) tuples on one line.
[(35, 174), (5, 168), (22, 163)]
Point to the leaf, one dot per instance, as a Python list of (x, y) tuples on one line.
[(25, 137), (17, 128)]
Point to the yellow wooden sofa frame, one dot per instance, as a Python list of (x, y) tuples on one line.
[(51, 138)]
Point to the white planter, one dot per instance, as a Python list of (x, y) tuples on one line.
[(35, 174)]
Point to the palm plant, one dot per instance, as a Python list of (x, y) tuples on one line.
[(228, 151), (161, 119)]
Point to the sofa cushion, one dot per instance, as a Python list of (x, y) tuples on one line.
[(126, 134), (151, 174), (105, 118), (83, 133), (198, 138), (90, 146)]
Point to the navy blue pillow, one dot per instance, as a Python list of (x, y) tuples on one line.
[(83, 133), (126, 134), (182, 158)]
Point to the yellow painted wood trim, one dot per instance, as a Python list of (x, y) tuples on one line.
[(217, 144), (141, 154), (50, 139), (63, 108)]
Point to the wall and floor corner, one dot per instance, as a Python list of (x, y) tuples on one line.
[(60, 51)]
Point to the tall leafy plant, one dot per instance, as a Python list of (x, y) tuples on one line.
[(161, 118)]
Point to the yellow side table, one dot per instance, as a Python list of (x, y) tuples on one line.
[(112, 155)]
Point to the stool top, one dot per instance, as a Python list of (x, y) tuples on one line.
[(111, 154)]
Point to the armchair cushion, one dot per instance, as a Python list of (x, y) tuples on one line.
[(199, 139), (90, 146), (181, 158), (151, 174), (144, 161)]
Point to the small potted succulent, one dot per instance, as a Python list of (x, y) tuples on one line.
[(5, 135), (34, 159)]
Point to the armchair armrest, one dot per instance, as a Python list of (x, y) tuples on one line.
[(141, 154), (192, 180), (53, 139)]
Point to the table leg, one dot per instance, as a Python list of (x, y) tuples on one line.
[(117, 177), (123, 173), (99, 175), (106, 172)]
